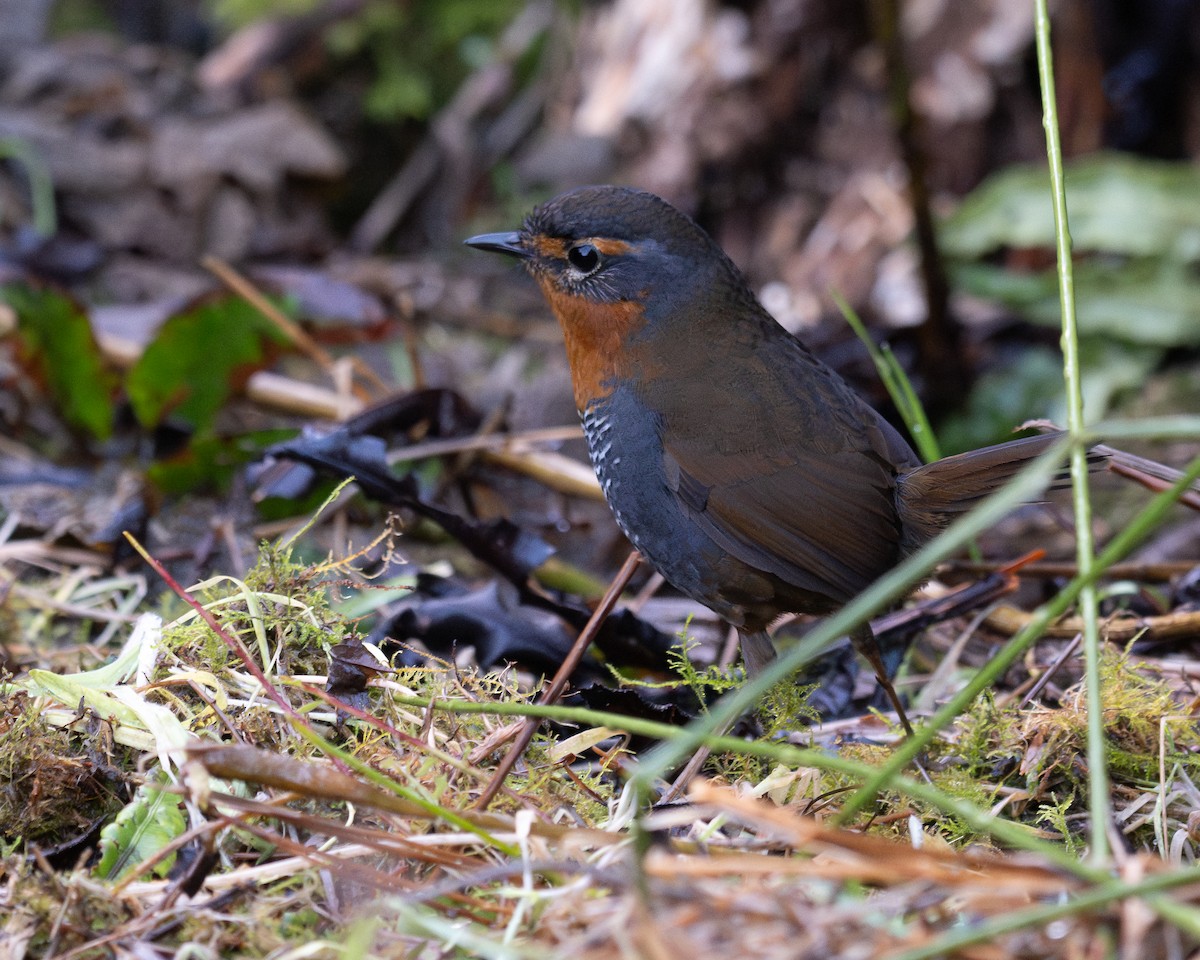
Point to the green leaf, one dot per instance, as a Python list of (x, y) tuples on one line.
[(1029, 387), (399, 92), (55, 343), (211, 461), (1142, 301), (147, 824), (200, 357), (107, 692), (1115, 203), (72, 692)]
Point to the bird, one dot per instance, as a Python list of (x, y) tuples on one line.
[(741, 466)]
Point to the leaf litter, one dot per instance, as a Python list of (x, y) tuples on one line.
[(254, 818)]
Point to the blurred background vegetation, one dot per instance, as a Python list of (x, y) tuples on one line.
[(888, 152)]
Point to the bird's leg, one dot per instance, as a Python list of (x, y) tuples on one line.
[(757, 651), (865, 643)]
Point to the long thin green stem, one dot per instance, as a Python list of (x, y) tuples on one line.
[(1098, 786), (1006, 831), (896, 381), (1022, 488), (1101, 896), (906, 752)]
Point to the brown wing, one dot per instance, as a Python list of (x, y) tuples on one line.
[(771, 454), (795, 475), (822, 523)]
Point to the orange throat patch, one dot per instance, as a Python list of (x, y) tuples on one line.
[(595, 334)]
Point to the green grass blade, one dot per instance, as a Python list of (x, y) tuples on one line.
[(1098, 786), (898, 386)]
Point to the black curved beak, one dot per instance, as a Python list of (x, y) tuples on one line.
[(509, 243)]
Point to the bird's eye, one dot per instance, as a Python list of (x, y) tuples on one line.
[(584, 258)]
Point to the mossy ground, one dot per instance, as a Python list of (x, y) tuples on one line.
[(295, 854)]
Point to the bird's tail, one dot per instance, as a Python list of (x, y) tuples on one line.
[(1149, 473), (930, 496)]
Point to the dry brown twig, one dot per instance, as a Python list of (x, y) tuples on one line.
[(558, 685)]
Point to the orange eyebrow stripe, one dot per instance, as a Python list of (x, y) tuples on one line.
[(609, 247), (549, 248), (555, 248)]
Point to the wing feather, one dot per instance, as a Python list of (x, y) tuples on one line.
[(826, 525)]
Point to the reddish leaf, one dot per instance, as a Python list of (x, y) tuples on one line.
[(55, 343)]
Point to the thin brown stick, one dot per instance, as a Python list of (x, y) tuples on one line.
[(1067, 653), (1119, 628), (485, 441), (653, 585), (1149, 473), (232, 642), (1152, 572), (690, 769), (554, 691), (319, 355)]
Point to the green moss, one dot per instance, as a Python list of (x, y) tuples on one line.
[(1040, 751), (55, 781)]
